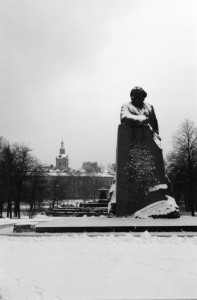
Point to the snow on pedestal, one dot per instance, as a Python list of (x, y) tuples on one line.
[(158, 187), (160, 209)]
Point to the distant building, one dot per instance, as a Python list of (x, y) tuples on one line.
[(62, 161), (62, 182), (91, 167), (76, 185)]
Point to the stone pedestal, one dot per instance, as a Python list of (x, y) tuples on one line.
[(136, 149)]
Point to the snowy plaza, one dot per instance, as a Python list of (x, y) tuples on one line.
[(97, 266), (98, 150)]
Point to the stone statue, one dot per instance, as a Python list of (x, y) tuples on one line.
[(142, 188), (138, 113)]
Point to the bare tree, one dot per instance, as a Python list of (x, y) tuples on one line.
[(61, 190), (36, 186), (22, 164), (86, 189), (66, 191), (7, 178), (182, 161), (16, 165), (3, 143), (109, 167)]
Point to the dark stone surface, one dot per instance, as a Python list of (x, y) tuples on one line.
[(24, 228), (77, 229), (136, 145), (88, 209)]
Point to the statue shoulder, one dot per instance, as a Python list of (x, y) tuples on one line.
[(149, 106), (126, 105)]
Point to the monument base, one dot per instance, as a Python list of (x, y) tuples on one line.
[(104, 224), (140, 174)]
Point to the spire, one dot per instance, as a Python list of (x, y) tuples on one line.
[(62, 144)]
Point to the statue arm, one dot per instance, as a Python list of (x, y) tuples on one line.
[(131, 119), (156, 127)]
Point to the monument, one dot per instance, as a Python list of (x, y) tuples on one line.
[(141, 187)]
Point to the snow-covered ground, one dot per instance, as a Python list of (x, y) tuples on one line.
[(101, 220), (100, 267), (26, 220)]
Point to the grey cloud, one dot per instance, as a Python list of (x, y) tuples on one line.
[(43, 39)]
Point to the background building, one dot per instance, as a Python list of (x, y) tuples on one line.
[(65, 186), (64, 183), (62, 161)]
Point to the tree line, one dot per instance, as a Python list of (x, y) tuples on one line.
[(181, 165), (21, 177)]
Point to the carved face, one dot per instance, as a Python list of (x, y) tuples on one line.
[(138, 101), (137, 96)]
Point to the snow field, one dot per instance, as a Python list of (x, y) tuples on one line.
[(101, 267)]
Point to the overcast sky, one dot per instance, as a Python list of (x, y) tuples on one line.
[(67, 66)]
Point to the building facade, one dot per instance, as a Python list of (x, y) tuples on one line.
[(64, 186), (64, 183)]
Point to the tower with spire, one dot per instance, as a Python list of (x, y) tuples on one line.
[(62, 161)]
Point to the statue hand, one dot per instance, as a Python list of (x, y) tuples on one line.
[(157, 136), (144, 119)]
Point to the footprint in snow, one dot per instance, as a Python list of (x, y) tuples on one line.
[(16, 280), (192, 273), (39, 293)]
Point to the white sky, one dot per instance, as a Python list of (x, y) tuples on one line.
[(67, 66)]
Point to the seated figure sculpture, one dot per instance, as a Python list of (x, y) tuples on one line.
[(137, 112), (141, 187)]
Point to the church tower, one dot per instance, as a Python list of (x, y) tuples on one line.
[(62, 161)]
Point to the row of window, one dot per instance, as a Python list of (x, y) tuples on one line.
[(73, 189), (83, 182), (64, 163)]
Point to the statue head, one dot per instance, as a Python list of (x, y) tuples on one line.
[(138, 95)]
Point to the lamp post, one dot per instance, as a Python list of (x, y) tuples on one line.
[(57, 195), (55, 192), (93, 177)]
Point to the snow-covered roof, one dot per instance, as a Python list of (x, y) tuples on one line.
[(80, 174), (60, 156)]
